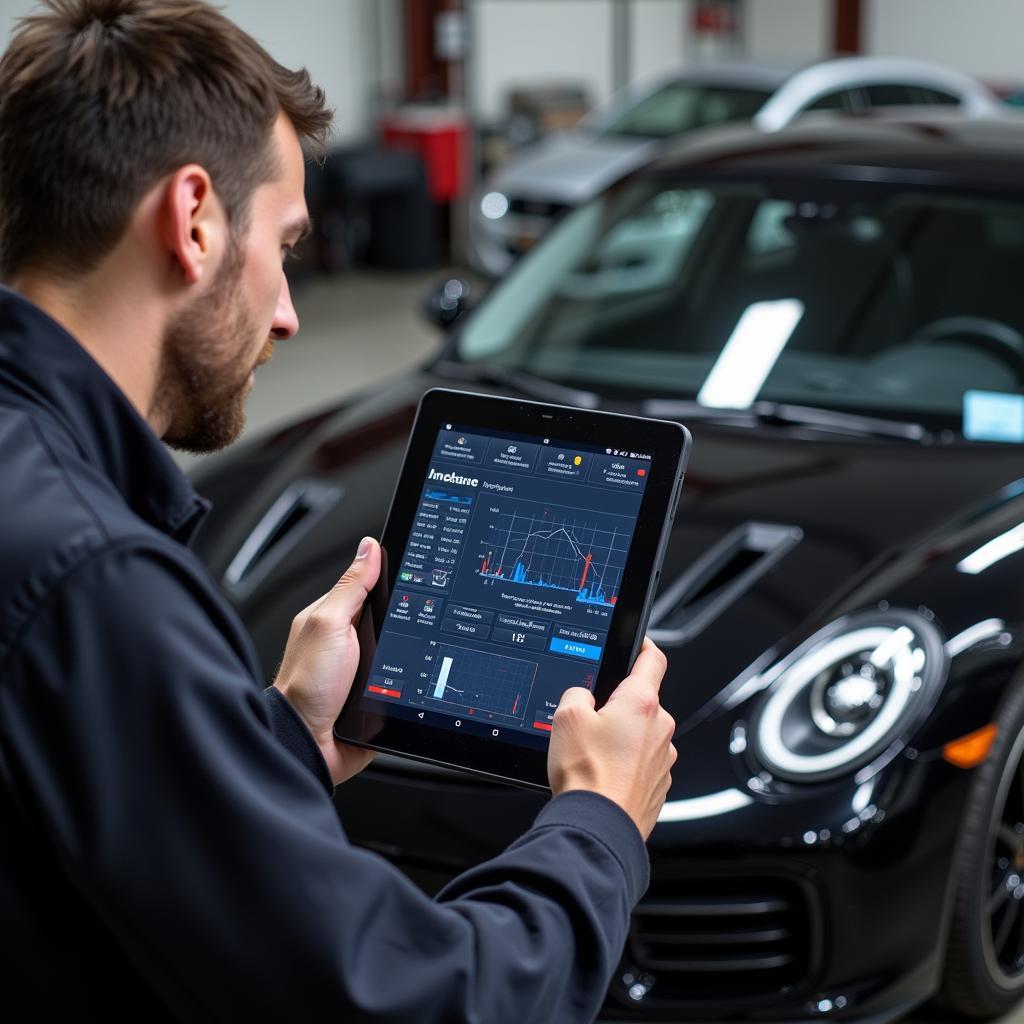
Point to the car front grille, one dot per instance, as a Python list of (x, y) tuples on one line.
[(718, 943), (703, 945)]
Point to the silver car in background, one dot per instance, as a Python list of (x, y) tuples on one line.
[(541, 182)]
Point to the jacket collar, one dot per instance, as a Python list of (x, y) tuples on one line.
[(43, 363)]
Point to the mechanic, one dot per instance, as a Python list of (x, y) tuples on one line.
[(168, 844)]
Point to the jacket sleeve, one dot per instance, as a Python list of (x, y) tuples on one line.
[(133, 730), (293, 735)]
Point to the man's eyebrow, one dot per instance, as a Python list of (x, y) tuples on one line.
[(299, 229)]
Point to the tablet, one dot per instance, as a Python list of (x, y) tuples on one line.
[(521, 555)]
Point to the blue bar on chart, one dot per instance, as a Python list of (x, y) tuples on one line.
[(442, 678)]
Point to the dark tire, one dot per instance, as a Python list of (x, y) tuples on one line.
[(984, 972)]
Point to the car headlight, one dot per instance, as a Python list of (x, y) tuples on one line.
[(847, 693)]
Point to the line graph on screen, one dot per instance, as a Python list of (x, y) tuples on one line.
[(557, 548)]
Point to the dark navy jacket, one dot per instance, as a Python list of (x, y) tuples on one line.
[(168, 844)]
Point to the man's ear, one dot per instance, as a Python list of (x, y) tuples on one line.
[(194, 222)]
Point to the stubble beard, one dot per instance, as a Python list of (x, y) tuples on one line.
[(205, 365)]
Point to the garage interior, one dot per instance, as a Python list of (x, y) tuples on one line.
[(434, 96)]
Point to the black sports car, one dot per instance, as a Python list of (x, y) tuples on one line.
[(837, 314)]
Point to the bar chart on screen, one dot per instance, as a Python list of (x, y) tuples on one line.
[(480, 684)]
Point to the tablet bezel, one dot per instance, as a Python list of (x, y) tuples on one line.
[(667, 442)]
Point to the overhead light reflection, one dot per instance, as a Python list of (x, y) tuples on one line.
[(994, 551), (985, 630), (862, 797), (751, 352), (704, 806), (887, 648)]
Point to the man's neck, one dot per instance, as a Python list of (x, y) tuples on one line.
[(115, 325)]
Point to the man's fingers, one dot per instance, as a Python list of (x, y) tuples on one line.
[(577, 695), (359, 578), (651, 663), (648, 671), (576, 703), (341, 604)]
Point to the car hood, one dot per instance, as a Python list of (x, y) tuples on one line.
[(571, 168), (837, 507)]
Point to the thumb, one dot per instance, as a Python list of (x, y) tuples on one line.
[(577, 695), (349, 593), (575, 708)]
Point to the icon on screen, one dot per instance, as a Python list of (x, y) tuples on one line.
[(578, 460), (462, 440), (511, 449), (447, 426), (641, 472), (561, 456), (608, 451)]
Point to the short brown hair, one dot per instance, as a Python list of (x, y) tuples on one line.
[(100, 99)]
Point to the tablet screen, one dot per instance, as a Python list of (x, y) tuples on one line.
[(508, 582)]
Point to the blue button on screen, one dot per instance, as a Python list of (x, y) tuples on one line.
[(590, 651)]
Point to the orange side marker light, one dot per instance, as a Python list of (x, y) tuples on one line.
[(969, 751)]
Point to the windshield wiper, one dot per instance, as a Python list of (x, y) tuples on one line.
[(791, 415), (528, 384)]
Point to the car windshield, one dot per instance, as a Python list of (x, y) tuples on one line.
[(840, 295), (682, 106)]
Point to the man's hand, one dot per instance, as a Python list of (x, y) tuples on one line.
[(321, 657), (624, 751)]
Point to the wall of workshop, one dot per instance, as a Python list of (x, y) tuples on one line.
[(982, 37), (785, 30), (527, 42), (333, 38), (660, 36)]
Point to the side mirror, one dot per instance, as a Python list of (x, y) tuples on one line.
[(446, 302)]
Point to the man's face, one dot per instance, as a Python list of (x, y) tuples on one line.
[(211, 350)]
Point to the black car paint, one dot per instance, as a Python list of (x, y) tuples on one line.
[(830, 490), (882, 522)]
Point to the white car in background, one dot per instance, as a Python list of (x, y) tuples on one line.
[(541, 182)]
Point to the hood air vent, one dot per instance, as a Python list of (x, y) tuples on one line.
[(723, 574), (298, 509)]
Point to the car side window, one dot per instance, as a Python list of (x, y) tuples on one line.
[(894, 95), (842, 99), (923, 94)]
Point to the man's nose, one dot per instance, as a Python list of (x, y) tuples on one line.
[(286, 320)]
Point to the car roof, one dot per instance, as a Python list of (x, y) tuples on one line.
[(742, 74), (833, 72), (931, 145), (843, 74)]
